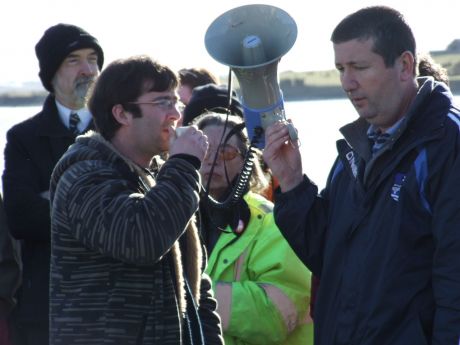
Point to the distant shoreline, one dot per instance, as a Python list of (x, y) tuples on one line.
[(290, 94), (306, 93), (22, 101), (307, 86)]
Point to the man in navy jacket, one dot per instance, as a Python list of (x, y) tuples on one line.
[(384, 235), (70, 60)]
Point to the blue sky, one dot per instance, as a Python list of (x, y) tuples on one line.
[(173, 31)]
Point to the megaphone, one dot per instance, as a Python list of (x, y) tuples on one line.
[(251, 40)]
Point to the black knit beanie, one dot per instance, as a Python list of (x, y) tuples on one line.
[(210, 97), (57, 43)]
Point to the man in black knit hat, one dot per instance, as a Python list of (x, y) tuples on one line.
[(70, 60)]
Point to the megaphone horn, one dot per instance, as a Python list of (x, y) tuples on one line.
[(251, 40)]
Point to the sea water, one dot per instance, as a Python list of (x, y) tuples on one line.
[(317, 122)]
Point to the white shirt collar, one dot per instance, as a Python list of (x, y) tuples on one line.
[(64, 115)]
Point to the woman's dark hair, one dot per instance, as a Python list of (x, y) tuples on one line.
[(428, 67), (123, 81)]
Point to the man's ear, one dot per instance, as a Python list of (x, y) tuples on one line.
[(121, 115), (406, 65)]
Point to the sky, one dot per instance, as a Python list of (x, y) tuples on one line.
[(173, 32)]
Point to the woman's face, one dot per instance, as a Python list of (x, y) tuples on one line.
[(229, 161)]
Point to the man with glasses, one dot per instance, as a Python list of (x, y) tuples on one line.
[(127, 263)]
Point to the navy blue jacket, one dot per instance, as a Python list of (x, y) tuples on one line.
[(384, 235)]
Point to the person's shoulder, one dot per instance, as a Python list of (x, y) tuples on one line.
[(259, 202), (453, 114), (27, 125), (83, 162), (447, 118), (263, 222)]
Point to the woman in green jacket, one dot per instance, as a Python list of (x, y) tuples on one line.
[(262, 288)]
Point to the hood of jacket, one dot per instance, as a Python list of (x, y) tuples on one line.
[(92, 146)]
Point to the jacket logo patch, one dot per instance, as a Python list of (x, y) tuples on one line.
[(396, 188), (351, 160)]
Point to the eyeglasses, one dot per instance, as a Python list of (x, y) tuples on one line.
[(165, 104), (225, 152)]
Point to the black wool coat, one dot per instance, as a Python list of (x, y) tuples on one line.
[(33, 147)]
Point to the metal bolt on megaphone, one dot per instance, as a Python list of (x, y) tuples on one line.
[(268, 119)]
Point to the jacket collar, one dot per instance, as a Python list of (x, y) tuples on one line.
[(430, 99), (424, 122), (50, 124)]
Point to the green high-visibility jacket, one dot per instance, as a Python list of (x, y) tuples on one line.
[(262, 288)]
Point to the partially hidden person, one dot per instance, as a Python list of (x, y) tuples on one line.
[(69, 60), (262, 288)]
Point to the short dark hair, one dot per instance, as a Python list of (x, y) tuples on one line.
[(387, 27), (194, 77), (123, 81)]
